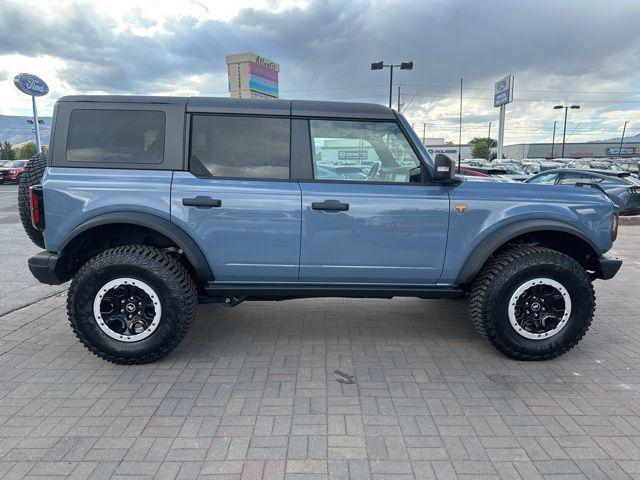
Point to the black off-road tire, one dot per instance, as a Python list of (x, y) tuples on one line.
[(499, 279), (162, 272), (32, 175)]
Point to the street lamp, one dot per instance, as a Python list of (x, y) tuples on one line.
[(564, 128), (553, 142), (381, 65)]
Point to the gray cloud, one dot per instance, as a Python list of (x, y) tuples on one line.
[(331, 43), (326, 48)]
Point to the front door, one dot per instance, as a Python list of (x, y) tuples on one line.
[(237, 200), (363, 220)]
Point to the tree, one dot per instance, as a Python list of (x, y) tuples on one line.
[(7, 152), (28, 150), (482, 147)]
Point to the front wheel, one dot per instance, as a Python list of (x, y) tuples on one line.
[(132, 304), (532, 303)]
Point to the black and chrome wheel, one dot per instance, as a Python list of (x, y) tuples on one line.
[(539, 308), (127, 309), (132, 304), (532, 303)]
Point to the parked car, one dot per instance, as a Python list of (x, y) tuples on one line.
[(476, 162), (150, 205), (497, 174), (513, 169), (544, 166), (11, 171), (620, 187), (466, 171)]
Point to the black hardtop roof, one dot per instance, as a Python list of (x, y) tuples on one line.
[(303, 108)]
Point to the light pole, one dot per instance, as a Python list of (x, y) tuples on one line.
[(624, 129), (564, 128), (381, 65), (553, 142), (489, 135)]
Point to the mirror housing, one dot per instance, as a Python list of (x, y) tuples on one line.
[(445, 171)]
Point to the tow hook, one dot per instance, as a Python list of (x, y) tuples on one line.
[(231, 301)]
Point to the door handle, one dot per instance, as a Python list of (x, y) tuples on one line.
[(202, 202), (330, 205)]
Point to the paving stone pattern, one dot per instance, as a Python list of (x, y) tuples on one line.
[(252, 394)]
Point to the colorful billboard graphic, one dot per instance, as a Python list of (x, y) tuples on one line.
[(263, 80), (252, 76)]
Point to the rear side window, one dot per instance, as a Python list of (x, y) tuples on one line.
[(239, 147), (116, 136)]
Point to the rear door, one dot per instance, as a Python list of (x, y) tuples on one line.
[(237, 200), (363, 219)]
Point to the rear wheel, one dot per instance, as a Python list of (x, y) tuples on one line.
[(132, 304), (32, 175), (532, 303)]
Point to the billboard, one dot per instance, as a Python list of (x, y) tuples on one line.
[(252, 76), (623, 151)]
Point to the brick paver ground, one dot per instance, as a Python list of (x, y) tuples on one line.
[(253, 394)]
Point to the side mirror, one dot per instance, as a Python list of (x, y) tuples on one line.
[(445, 170)]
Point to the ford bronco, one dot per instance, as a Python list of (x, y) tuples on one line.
[(150, 205)]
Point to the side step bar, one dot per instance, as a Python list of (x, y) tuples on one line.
[(290, 291)]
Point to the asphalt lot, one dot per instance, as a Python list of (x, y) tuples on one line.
[(253, 393), (17, 286)]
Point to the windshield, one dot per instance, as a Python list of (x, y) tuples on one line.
[(14, 164)]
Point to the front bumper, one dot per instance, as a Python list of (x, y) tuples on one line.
[(49, 268), (606, 267)]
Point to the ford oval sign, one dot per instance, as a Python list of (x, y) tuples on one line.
[(31, 85)]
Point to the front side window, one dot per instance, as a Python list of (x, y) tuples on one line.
[(239, 147), (116, 136), (361, 151)]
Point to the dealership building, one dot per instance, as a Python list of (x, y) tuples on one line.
[(571, 150)]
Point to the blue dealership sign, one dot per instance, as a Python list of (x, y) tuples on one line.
[(31, 84), (503, 93)]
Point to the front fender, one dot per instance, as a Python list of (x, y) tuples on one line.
[(492, 241), (500, 211)]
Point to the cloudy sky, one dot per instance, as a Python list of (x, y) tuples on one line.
[(561, 51)]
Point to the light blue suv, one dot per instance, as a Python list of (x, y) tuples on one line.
[(153, 204)]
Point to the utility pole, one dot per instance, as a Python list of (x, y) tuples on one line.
[(624, 129), (553, 142), (489, 135), (460, 130), (424, 133)]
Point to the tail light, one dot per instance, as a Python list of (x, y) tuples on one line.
[(37, 206)]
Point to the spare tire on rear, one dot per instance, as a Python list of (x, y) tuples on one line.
[(32, 175)]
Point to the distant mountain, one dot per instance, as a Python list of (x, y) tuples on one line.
[(14, 129), (632, 138)]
